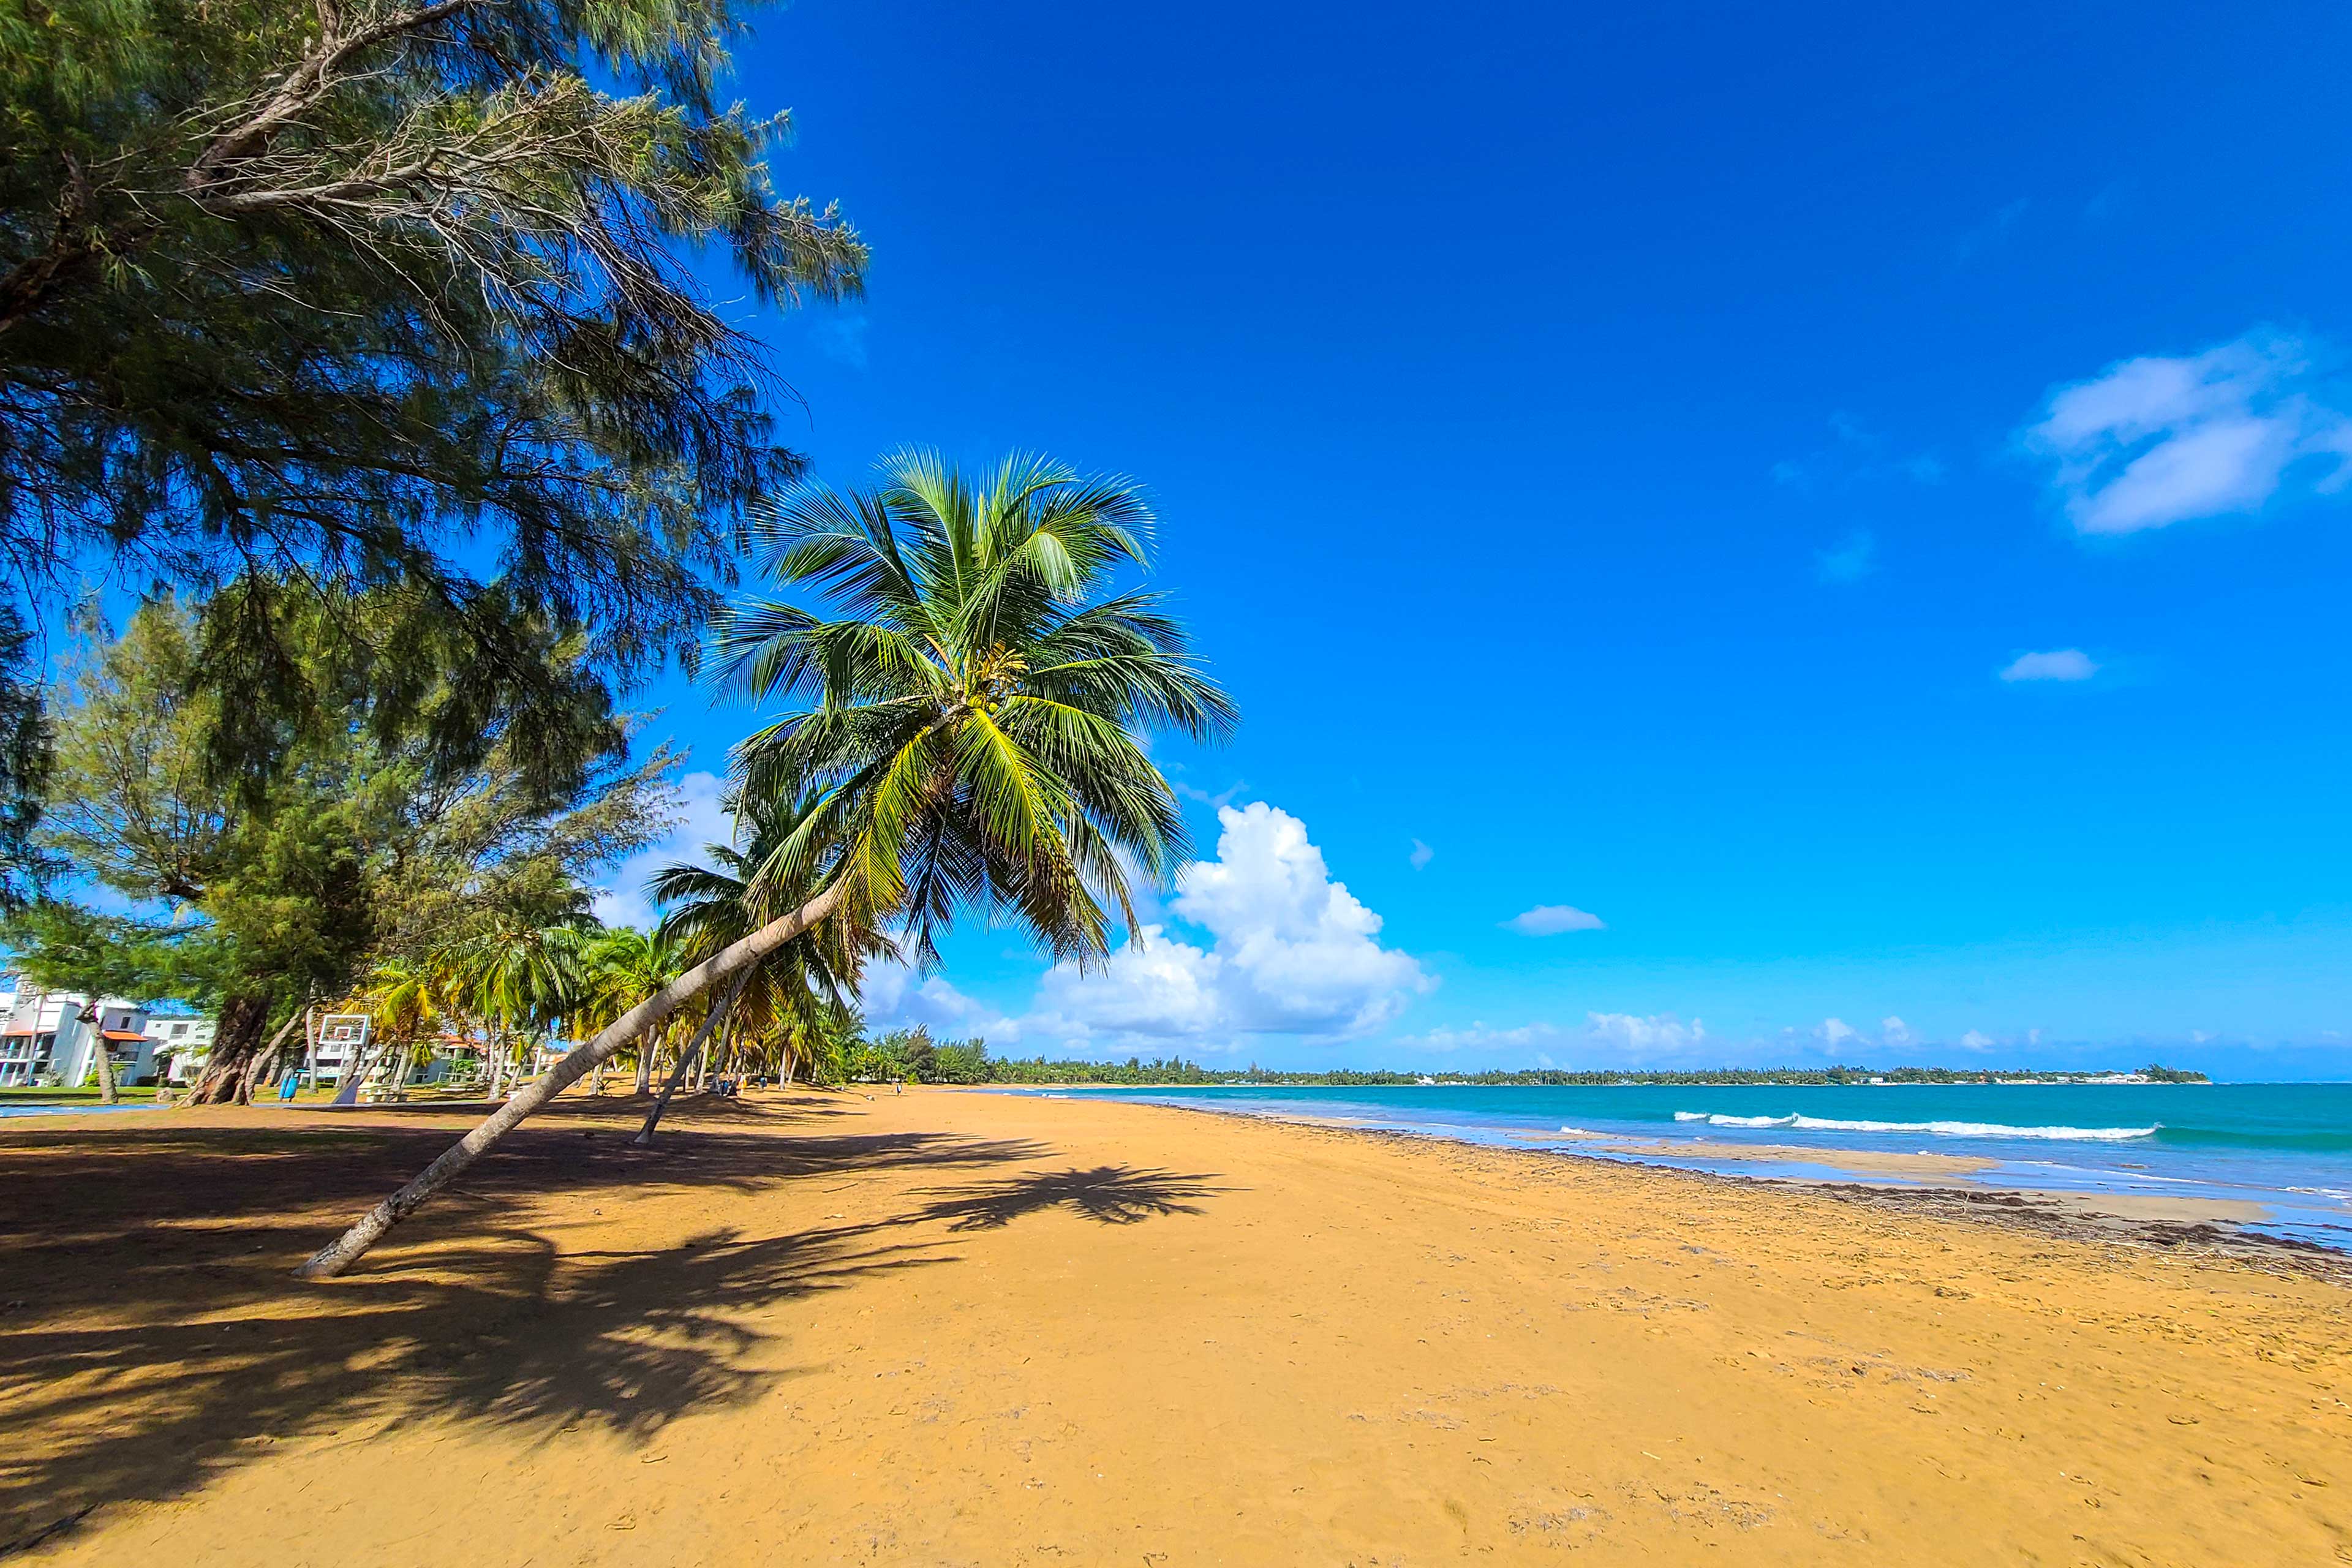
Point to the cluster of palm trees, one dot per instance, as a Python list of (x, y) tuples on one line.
[(967, 690), (508, 997), (504, 992)]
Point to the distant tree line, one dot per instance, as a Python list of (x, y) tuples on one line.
[(911, 1055)]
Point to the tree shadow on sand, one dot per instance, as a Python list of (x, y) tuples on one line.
[(1108, 1195), (151, 1337)]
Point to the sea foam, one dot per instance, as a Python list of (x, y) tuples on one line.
[(1933, 1129)]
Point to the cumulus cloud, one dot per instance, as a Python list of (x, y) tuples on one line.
[(698, 818), (1550, 919), (2158, 440), (893, 997), (1222, 799), (1422, 855), (1601, 1039), (1836, 1034), (2059, 664), (1288, 951)]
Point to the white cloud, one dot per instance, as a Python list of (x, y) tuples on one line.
[(2158, 441), (894, 997), (1895, 1031), (700, 818), (2059, 664), (1550, 919), (1657, 1034), (1422, 855), (1289, 951), (1222, 799), (1603, 1039), (1975, 1041), (1836, 1031)]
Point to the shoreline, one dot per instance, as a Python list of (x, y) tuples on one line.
[(2132, 1203), (2208, 1227)]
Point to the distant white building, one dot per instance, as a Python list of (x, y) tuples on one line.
[(45, 1038), (180, 1046)]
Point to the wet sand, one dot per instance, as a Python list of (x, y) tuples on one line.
[(1861, 1161), (2099, 1214), (963, 1328)]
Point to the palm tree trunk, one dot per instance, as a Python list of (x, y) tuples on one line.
[(354, 1244), (644, 1067), (686, 1059)]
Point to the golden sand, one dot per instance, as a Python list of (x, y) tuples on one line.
[(957, 1328)]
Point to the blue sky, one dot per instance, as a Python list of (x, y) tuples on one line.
[(1842, 505)]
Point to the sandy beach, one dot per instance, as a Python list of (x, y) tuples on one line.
[(965, 1328)]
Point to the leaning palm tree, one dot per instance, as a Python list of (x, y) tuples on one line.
[(968, 725)]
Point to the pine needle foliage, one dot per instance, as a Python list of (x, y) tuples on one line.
[(398, 296)]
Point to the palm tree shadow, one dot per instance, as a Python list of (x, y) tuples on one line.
[(1106, 1194), (150, 1338)]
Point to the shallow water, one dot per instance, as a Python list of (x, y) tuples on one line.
[(2287, 1147)]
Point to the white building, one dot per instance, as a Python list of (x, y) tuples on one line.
[(180, 1046), (44, 1038)]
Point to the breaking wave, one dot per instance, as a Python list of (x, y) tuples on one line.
[(1932, 1129)]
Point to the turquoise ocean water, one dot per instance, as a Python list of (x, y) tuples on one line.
[(2285, 1146)]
